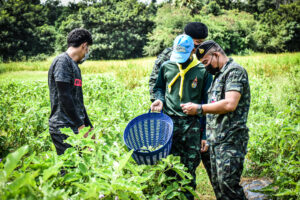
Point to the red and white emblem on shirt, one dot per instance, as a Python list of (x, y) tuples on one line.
[(78, 82)]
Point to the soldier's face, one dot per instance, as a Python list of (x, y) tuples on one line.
[(208, 59), (211, 63)]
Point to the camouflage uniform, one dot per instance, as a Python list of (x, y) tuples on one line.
[(161, 58), (228, 133), (187, 135)]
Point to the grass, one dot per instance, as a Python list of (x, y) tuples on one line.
[(128, 71), (204, 188)]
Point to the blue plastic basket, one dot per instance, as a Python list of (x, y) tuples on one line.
[(150, 129)]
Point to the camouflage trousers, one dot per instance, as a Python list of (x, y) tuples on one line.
[(227, 161), (187, 144)]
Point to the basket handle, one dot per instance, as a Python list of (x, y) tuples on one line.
[(161, 112)]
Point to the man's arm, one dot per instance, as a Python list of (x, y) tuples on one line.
[(226, 105), (223, 106), (65, 97), (161, 58), (87, 121)]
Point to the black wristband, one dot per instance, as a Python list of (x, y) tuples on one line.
[(199, 109)]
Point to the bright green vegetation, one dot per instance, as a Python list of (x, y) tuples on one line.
[(112, 99)]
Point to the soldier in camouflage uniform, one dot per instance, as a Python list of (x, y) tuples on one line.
[(226, 113), (180, 80)]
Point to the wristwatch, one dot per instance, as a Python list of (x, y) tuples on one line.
[(199, 109)]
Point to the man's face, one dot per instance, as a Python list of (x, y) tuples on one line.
[(197, 42), (210, 62), (84, 49), (207, 59)]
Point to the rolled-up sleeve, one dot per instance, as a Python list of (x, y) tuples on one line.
[(235, 81)]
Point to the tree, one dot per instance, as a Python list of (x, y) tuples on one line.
[(23, 30), (119, 28), (169, 22), (279, 30)]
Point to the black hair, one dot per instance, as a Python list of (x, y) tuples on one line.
[(196, 30), (79, 36)]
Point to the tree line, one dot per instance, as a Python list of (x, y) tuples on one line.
[(31, 29)]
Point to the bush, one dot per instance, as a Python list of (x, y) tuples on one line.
[(232, 30), (170, 22), (279, 30)]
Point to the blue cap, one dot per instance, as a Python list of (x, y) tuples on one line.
[(182, 48)]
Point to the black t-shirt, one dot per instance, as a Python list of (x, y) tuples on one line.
[(64, 69)]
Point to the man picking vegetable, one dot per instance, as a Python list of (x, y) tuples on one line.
[(65, 86)]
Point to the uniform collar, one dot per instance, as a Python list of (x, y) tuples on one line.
[(225, 66)]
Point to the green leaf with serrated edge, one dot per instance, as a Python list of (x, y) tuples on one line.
[(122, 195), (28, 161), (83, 169), (172, 195), (12, 161), (191, 190), (124, 160), (185, 182), (182, 197), (179, 172), (53, 170), (23, 180), (81, 186), (167, 191), (70, 177), (161, 178)]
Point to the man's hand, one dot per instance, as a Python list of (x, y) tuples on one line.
[(189, 108), (204, 146), (87, 134), (157, 106), (80, 127)]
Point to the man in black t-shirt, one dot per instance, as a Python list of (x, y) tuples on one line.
[(65, 86)]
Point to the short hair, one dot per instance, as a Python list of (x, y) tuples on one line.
[(79, 36), (216, 48), (196, 30)]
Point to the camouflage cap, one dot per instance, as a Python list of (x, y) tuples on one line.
[(204, 48)]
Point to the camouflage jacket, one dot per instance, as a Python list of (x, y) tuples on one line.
[(227, 127), (161, 58)]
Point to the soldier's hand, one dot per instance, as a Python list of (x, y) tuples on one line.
[(81, 127), (204, 146), (157, 106), (189, 108)]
